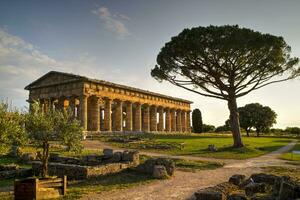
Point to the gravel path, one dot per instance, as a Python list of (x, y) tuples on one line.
[(184, 184)]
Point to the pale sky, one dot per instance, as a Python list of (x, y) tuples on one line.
[(118, 41)]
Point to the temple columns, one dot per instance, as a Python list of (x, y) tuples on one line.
[(94, 110), (146, 118), (128, 116), (183, 121), (173, 120), (160, 119), (83, 111), (168, 120), (188, 121), (119, 116), (107, 115), (72, 105), (178, 121), (153, 118), (138, 117)]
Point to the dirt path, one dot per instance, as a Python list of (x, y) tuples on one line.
[(184, 184)]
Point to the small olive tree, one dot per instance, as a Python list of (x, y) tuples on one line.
[(44, 127), (12, 132)]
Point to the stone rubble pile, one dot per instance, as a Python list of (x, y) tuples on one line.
[(160, 168), (256, 187)]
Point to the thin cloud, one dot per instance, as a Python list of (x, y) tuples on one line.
[(113, 22)]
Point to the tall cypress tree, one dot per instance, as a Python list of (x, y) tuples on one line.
[(197, 121)]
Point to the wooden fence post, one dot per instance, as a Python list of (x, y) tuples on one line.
[(36, 187), (64, 189)]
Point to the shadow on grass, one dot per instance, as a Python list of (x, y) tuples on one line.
[(124, 179)]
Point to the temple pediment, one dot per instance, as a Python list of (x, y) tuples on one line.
[(52, 78)]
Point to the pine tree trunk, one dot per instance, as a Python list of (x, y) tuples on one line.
[(234, 123)]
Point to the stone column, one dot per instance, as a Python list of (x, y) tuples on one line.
[(51, 103), (83, 111), (46, 105), (138, 117), (107, 114), (173, 120), (146, 118), (153, 118), (94, 113), (129, 116), (160, 119), (72, 101), (168, 120), (183, 121), (178, 121), (119, 116), (41, 105), (61, 103), (188, 121)]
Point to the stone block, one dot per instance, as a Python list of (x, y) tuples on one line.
[(218, 192), (287, 191), (131, 156), (237, 179), (117, 156), (254, 188), (108, 153), (148, 166), (264, 178), (212, 148), (237, 196), (160, 172)]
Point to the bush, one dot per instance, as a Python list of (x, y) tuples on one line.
[(293, 130), (12, 131), (208, 128)]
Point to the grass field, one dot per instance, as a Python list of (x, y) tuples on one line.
[(197, 145), (294, 157), (284, 171)]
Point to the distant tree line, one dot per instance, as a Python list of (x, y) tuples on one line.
[(253, 117)]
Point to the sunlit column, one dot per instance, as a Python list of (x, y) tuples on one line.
[(129, 116), (107, 114), (138, 117), (160, 119), (153, 118)]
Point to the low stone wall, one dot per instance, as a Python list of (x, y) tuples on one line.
[(109, 156), (89, 166), (16, 173), (257, 187)]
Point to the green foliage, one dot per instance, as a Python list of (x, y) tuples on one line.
[(43, 127), (256, 116), (12, 132), (208, 128), (293, 130), (70, 132), (225, 62), (197, 121), (223, 128)]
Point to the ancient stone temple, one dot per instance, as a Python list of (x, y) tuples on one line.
[(105, 106)]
